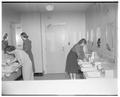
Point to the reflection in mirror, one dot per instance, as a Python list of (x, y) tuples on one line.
[(98, 37), (108, 47), (99, 43)]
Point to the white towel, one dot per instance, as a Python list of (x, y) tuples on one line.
[(88, 69), (86, 65), (108, 73), (93, 74)]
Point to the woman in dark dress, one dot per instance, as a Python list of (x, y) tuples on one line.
[(99, 43), (27, 47), (5, 42), (75, 53)]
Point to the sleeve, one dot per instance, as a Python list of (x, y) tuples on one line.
[(18, 57)]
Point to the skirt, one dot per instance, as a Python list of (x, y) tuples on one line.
[(71, 63)]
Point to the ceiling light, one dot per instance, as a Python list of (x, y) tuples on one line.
[(49, 7)]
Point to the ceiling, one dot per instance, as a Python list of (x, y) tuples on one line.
[(30, 7)]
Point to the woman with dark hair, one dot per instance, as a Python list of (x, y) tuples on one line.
[(22, 57), (27, 47), (75, 53), (5, 42)]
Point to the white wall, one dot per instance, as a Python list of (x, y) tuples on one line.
[(9, 17), (74, 23), (31, 25)]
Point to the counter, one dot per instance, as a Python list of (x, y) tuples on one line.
[(61, 87)]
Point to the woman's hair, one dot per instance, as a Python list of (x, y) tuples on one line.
[(82, 41), (24, 35), (10, 48), (5, 36)]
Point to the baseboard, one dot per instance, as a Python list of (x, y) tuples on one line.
[(38, 74)]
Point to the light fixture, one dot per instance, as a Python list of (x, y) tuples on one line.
[(50, 7)]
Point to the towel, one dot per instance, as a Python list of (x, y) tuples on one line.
[(92, 74), (88, 69)]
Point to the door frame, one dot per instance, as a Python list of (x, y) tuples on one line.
[(43, 38)]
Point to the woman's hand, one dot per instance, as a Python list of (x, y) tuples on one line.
[(80, 62)]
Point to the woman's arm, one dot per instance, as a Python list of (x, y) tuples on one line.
[(15, 59)]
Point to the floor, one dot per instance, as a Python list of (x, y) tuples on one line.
[(53, 76), (56, 76)]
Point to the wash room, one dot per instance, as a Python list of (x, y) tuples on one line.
[(59, 41)]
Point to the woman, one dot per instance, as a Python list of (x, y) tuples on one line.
[(24, 60), (77, 52), (5, 42), (27, 47), (99, 43)]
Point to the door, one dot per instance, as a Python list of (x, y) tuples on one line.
[(55, 48)]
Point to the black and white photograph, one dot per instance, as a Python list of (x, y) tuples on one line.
[(59, 48)]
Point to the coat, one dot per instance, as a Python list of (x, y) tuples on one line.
[(71, 62), (24, 60), (27, 48)]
